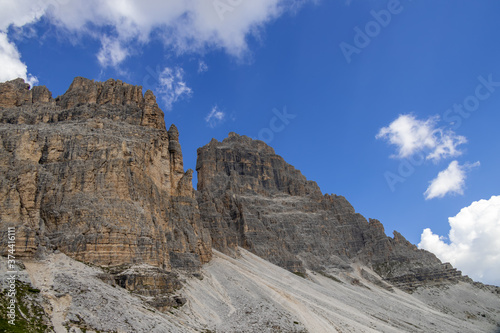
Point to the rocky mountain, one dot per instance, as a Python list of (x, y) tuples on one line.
[(95, 174), (93, 181), (250, 198)]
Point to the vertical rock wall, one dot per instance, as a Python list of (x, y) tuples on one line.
[(95, 174)]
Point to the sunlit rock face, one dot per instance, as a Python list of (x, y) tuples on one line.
[(95, 174)]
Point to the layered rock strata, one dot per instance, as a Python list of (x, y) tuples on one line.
[(250, 197), (95, 174)]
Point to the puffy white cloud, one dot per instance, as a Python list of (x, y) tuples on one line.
[(411, 135), (124, 26), (17, 13), (474, 241), (171, 86), (112, 52), (183, 26), (215, 117), (12, 67), (449, 181), (21, 12)]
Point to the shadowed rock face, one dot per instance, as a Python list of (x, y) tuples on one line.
[(95, 174), (251, 198)]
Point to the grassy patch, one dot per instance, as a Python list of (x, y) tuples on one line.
[(30, 315), (302, 275)]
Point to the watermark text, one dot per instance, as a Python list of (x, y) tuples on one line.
[(11, 275), (276, 125)]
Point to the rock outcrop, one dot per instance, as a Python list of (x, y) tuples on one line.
[(17, 92), (95, 174), (250, 197)]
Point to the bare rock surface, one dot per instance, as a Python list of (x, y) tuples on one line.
[(251, 198), (249, 294), (96, 175), (76, 300)]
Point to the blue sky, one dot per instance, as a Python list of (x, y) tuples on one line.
[(362, 96)]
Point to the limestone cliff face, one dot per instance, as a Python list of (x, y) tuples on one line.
[(95, 174), (250, 197)]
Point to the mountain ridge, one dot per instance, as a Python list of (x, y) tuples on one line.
[(96, 175), (241, 184)]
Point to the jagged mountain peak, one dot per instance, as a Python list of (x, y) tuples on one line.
[(85, 99), (17, 92), (83, 90), (251, 165)]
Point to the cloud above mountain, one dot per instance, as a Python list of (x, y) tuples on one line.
[(215, 117), (123, 27), (449, 181), (473, 243), (411, 135)]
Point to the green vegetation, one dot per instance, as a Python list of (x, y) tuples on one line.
[(29, 313), (302, 275)]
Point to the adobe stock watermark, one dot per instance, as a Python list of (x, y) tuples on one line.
[(152, 74), (363, 36), (406, 169), (11, 276), (471, 103), (276, 125), (454, 116), (222, 7)]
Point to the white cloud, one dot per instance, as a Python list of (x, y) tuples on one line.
[(171, 86), (202, 66), (124, 25), (21, 12), (112, 52), (17, 13), (474, 241), (12, 67), (449, 181), (215, 117), (411, 135)]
